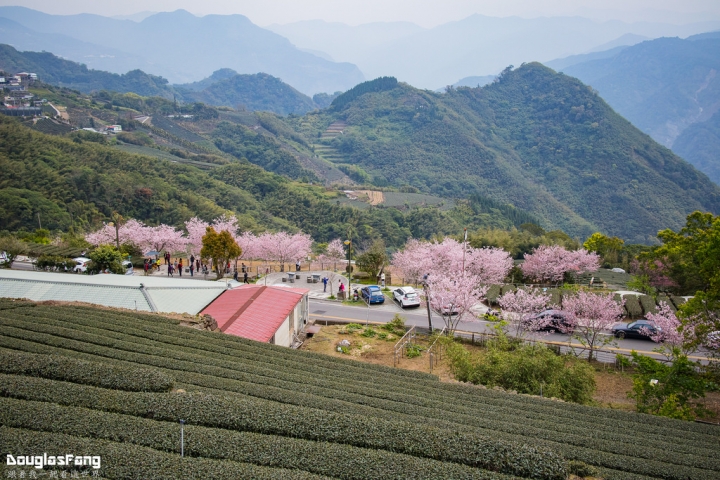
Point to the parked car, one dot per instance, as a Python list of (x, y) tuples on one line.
[(372, 294), (406, 297), (638, 329), (81, 264), (558, 321)]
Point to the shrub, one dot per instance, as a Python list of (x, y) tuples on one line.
[(633, 307), (525, 369), (648, 304), (369, 332)]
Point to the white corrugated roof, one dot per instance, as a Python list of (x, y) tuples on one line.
[(154, 294)]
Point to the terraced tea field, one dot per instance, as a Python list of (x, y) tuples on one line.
[(115, 384)]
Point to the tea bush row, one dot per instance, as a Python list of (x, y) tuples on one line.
[(331, 459), (152, 323), (407, 405), (510, 424), (123, 461), (272, 418), (58, 367)]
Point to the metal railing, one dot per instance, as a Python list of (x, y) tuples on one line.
[(402, 344)]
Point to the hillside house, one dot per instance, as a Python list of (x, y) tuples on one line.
[(270, 314)]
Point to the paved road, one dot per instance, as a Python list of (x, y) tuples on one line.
[(320, 311)]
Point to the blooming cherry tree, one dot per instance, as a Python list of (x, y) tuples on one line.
[(550, 263), (491, 265), (519, 308), (414, 261), (451, 296), (591, 315), (334, 252), (163, 237), (131, 232), (283, 248)]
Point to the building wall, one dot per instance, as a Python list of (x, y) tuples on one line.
[(282, 335)]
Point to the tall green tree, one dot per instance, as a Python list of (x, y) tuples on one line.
[(373, 259), (220, 247)]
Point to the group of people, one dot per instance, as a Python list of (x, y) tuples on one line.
[(177, 266)]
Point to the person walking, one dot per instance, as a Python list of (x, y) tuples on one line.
[(170, 270), (145, 266), (325, 280), (197, 265), (180, 267), (244, 268), (245, 278), (192, 267), (192, 259), (235, 276)]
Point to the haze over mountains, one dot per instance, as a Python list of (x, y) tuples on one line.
[(476, 45), (177, 45)]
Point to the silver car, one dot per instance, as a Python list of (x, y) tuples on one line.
[(406, 297)]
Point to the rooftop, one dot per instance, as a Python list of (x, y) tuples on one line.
[(254, 311), (137, 292)]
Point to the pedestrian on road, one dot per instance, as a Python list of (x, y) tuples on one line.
[(180, 267), (244, 268), (325, 280), (197, 265), (170, 270), (235, 276), (245, 278), (192, 259), (192, 267)]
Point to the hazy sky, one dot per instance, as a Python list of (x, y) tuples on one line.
[(427, 13)]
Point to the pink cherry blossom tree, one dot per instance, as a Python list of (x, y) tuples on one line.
[(334, 253), (131, 232), (413, 261), (591, 316), (451, 297), (550, 263), (283, 248), (491, 265), (519, 309), (163, 238), (195, 231)]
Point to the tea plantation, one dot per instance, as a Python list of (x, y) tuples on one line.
[(116, 384)]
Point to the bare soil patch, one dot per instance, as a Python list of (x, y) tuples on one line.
[(373, 197)]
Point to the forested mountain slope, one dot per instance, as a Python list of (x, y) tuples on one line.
[(81, 183), (662, 86), (541, 141), (699, 144)]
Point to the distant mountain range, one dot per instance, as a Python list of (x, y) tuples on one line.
[(225, 87), (665, 87), (474, 46), (177, 45)]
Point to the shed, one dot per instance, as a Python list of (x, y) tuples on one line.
[(269, 314)]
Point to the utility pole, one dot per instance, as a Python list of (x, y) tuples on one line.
[(427, 302)]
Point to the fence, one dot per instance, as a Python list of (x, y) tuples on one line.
[(403, 343), (435, 352)]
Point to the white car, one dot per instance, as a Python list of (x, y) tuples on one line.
[(406, 297), (81, 264)]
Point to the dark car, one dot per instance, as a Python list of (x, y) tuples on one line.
[(372, 294), (638, 329), (558, 321)]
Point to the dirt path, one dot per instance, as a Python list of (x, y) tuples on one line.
[(374, 197)]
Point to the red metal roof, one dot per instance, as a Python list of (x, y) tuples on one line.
[(254, 311)]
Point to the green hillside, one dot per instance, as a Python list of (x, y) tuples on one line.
[(261, 92), (535, 139), (65, 73), (699, 144), (115, 384), (80, 183)]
